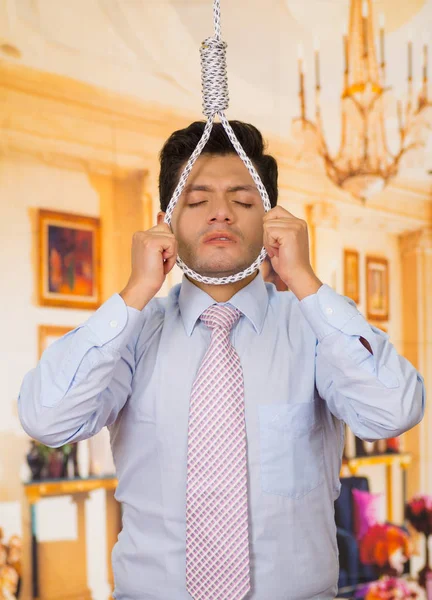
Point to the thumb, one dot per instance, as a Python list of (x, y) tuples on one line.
[(169, 264)]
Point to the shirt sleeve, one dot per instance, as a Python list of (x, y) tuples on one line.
[(378, 395), (83, 379)]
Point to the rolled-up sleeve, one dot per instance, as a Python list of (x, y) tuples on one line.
[(83, 379), (378, 394)]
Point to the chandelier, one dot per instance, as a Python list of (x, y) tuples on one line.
[(364, 163)]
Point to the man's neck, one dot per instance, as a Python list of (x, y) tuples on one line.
[(223, 293)]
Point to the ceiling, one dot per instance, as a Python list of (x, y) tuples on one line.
[(149, 49)]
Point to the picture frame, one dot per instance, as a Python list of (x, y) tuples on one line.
[(69, 260), (47, 334), (352, 275), (377, 288)]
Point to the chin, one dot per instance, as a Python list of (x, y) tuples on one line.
[(220, 264), (217, 272), (218, 269)]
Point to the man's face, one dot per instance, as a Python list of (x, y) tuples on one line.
[(220, 200)]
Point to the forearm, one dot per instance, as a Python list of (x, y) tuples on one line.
[(378, 396), (55, 412), (364, 381), (82, 380)]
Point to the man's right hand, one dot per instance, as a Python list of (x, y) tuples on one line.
[(154, 253)]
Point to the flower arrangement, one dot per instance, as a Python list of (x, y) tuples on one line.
[(418, 512), (10, 567), (392, 588), (388, 547)]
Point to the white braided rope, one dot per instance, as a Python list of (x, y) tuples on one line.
[(215, 102)]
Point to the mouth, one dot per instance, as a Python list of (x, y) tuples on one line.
[(219, 239)]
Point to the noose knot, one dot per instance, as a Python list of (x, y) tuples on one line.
[(214, 76)]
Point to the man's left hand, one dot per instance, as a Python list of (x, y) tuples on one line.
[(287, 244)]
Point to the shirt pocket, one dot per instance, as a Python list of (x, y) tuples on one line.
[(291, 448)]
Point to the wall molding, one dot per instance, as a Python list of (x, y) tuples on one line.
[(75, 125)]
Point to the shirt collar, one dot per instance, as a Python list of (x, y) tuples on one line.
[(252, 301)]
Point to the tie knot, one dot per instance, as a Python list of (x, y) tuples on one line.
[(220, 316)]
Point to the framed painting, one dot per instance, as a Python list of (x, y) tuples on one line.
[(377, 288), (69, 260), (352, 275), (49, 334)]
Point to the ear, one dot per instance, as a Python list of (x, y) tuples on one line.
[(160, 217)]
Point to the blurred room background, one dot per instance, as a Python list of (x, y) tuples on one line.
[(89, 91)]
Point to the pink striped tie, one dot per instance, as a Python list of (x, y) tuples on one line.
[(217, 546)]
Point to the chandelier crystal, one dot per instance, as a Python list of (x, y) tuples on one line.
[(364, 163)]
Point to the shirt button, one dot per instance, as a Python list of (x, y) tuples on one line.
[(329, 310), (113, 324)]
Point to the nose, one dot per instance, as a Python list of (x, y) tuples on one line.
[(221, 212)]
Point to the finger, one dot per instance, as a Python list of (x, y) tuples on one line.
[(169, 264), (169, 248), (164, 244), (169, 238), (269, 251), (272, 251), (271, 246), (283, 225), (170, 257), (294, 222), (278, 213), (286, 231), (275, 237), (161, 240)]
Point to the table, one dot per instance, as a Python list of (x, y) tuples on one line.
[(36, 490)]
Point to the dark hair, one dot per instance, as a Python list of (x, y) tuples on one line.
[(180, 145)]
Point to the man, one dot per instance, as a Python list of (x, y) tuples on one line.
[(304, 363)]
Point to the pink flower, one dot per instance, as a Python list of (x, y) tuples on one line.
[(391, 588), (419, 513), (417, 505)]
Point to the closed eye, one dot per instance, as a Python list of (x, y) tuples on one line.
[(236, 201), (197, 203)]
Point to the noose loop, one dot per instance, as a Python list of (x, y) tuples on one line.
[(215, 102)]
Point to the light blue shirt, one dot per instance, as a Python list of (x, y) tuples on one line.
[(305, 374)]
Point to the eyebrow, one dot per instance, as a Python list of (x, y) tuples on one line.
[(206, 188)]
